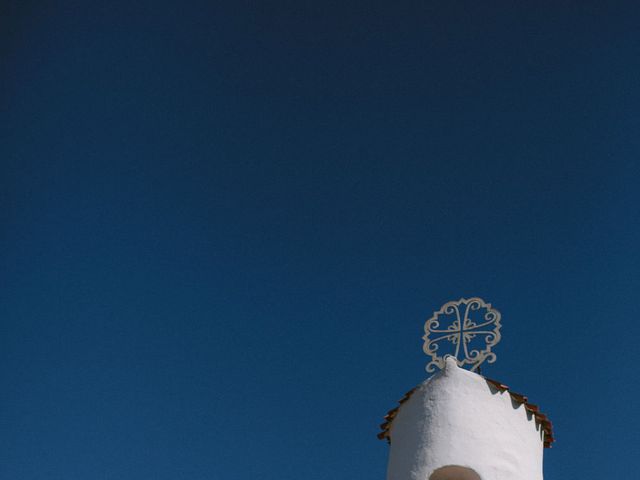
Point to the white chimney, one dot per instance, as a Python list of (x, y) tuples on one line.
[(459, 425)]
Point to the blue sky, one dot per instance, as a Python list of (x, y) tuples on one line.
[(223, 226)]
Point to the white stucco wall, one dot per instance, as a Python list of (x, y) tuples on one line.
[(456, 418)]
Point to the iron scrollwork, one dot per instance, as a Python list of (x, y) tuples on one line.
[(461, 331)]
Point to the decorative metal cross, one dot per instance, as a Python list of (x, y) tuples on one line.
[(461, 331)]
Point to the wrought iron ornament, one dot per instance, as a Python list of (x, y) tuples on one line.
[(462, 320)]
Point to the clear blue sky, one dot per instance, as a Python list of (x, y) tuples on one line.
[(223, 226)]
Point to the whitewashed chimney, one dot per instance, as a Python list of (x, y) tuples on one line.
[(459, 425)]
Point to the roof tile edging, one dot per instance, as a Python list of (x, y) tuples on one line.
[(540, 417)]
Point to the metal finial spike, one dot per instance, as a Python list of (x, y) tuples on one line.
[(462, 321)]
